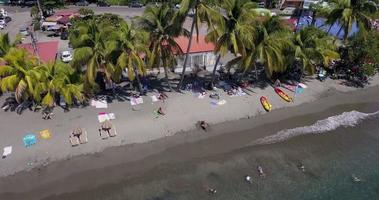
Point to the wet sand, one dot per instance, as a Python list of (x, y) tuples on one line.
[(134, 165)]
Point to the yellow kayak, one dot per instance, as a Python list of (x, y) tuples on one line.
[(266, 105)]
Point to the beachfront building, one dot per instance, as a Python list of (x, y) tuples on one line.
[(200, 54), (46, 51)]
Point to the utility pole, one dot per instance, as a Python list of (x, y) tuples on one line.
[(34, 45), (40, 12)]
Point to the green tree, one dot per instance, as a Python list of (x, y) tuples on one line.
[(164, 27), (6, 45), (313, 46), (234, 32), (132, 44), (93, 43), (271, 38), (19, 74), (57, 79), (346, 12)]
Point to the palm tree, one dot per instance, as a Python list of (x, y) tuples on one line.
[(346, 12), (164, 27), (234, 32), (19, 74), (5, 43), (272, 37), (57, 79), (314, 47), (132, 45), (93, 43), (202, 13)]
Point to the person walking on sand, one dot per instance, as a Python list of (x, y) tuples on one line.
[(204, 125)]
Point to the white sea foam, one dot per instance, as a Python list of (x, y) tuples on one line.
[(346, 119)]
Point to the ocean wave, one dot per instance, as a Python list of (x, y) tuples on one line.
[(346, 119)]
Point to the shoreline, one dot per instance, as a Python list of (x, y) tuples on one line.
[(64, 172)]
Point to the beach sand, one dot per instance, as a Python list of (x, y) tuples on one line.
[(81, 173), (182, 112)]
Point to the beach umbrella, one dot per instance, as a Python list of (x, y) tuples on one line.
[(106, 125)]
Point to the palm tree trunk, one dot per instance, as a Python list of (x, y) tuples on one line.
[(137, 78), (166, 76), (214, 69), (187, 53), (313, 22), (339, 31)]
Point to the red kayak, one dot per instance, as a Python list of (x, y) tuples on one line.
[(283, 95)]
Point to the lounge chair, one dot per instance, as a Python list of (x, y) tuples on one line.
[(113, 132), (74, 140), (83, 137), (103, 134)]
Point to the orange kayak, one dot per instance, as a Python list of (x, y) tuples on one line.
[(266, 105), (283, 95)]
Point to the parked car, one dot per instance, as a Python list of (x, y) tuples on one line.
[(1, 27), (64, 35), (66, 56), (24, 32), (102, 4), (82, 3), (135, 5), (29, 3), (2, 22), (288, 11), (6, 19)]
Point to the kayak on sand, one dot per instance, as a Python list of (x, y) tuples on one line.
[(266, 105), (283, 95)]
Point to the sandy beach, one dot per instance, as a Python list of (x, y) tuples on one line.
[(82, 173), (141, 125)]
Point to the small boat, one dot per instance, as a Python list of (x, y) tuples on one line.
[(283, 95), (266, 105)]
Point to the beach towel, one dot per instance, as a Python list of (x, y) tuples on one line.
[(303, 85), (29, 140), (7, 151), (139, 100), (154, 98), (111, 116), (93, 102), (45, 134), (101, 104), (201, 96), (222, 102), (102, 117)]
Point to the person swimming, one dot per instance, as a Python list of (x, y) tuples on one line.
[(248, 179)]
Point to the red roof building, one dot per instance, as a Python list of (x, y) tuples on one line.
[(200, 54), (197, 46), (47, 51)]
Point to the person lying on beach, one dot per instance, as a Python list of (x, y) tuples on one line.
[(77, 132), (160, 111), (204, 125)]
